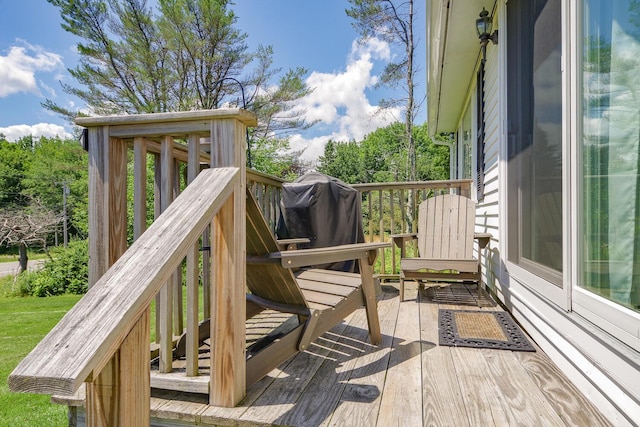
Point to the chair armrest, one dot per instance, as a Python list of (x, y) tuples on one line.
[(305, 257), (483, 239), (291, 244), (400, 239)]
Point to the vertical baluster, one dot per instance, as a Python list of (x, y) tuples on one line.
[(370, 203), (393, 231), (178, 311), (166, 293), (141, 363), (157, 210), (402, 211), (193, 258), (383, 269), (139, 186), (206, 273), (276, 207), (273, 208), (266, 201)]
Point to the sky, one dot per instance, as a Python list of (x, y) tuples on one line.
[(35, 53)]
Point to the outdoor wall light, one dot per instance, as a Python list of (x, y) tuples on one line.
[(483, 27)]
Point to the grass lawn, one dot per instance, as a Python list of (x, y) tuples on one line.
[(14, 257), (24, 322)]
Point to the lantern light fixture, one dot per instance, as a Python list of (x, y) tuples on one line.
[(483, 28)]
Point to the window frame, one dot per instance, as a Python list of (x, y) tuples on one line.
[(617, 320), (533, 276)]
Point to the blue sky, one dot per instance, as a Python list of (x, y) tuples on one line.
[(317, 35)]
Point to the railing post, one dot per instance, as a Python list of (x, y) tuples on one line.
[(228, 229), (121, 388)]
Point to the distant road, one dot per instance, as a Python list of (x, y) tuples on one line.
[(9, 268)]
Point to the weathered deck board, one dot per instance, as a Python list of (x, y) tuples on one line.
[(407, 380), (443, 404), (563, 396), (291, 382), (329, 381), (401, 403), (525, 405), (367, 373)]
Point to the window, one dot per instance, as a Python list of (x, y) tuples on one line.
[(534, 93), (610, 238)]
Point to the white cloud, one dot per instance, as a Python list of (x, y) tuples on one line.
[(50, 130), (19, 67), (339, 100)]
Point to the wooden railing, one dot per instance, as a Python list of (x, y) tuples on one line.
[(102, 341), (268, 191), (112, 319), (387, 208)]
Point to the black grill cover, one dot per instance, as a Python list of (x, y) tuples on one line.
[(323, 209)]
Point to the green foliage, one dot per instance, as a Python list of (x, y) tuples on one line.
[(17, 286), (67, 272), (14, 160), (273, 156), (54, 162), (343, 161), (382, 157), (33, 172)]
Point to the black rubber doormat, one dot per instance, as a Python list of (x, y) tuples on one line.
[(481, 329)]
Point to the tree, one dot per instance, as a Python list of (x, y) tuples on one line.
[(56, 164), (14, 159), (273, 156), (382, 157), (392, 21), (183, 55), (342, 160), (27, 227)]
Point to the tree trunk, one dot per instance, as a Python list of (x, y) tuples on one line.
[(409, 113), (23, 257)]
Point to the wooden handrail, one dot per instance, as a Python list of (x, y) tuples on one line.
[(414, 185), (94, 329)]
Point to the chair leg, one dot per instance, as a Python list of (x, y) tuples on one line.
[(401, 288), (370, 301)]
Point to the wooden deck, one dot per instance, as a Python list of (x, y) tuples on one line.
[(409, 380)]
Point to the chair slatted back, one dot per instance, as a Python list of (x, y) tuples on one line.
[(270, 281), (446, 227)]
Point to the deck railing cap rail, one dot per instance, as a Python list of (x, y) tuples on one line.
[(246, 117), (408, 185)]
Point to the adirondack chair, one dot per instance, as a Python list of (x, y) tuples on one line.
[(320, 298), (445, 243)]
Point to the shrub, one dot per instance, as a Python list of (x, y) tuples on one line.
[(67, 272)]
